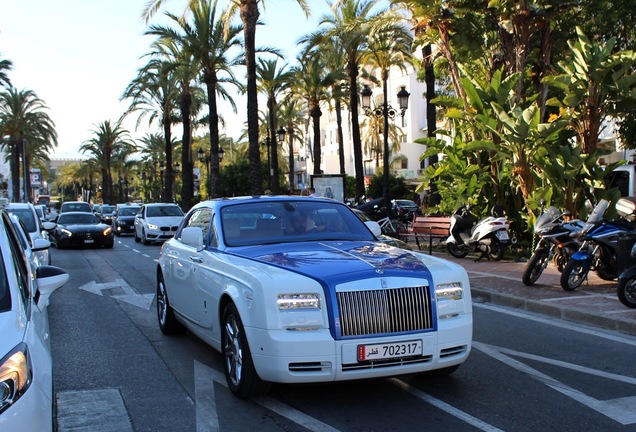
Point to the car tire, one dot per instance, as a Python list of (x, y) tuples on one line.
[(238, 366), (144, 238), (165, 315), (137, 239)]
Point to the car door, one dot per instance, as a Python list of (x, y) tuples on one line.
[(182, 266)]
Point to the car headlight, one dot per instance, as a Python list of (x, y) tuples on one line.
[(153, 226), (447, 295), (449, 291), (66, 232), (298, 301), (15, 376), (107, 231)]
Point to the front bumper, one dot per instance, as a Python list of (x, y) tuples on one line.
[(314, 356)]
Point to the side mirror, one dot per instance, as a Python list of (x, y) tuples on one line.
[(48, 278), (193, 236), (40, 244), (48, 226)]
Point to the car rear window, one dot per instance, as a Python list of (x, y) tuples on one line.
[(26, 216)]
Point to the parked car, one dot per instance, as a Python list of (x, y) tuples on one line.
[(37, 229), (42, 212), (26, 367), (105, 214), (297, 290), (405, 209), (75, 206), (124, 219), (157, 222), (81, 229)]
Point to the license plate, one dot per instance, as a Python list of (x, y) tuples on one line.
[(89, 241), (389, 350), (502, 235)]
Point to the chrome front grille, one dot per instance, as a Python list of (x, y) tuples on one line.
[(384, 311)]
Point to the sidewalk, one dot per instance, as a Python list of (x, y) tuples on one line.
[(594, 303)]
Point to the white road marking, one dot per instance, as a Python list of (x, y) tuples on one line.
[(207, 374), (613, 336), (619, 410), (455, 412), (92, 411), (206, 415)]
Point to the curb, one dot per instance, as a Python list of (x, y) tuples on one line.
[(569, 313)]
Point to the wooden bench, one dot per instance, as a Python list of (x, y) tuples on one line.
[(431, 227)]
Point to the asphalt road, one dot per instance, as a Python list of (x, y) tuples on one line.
[(115, 371)]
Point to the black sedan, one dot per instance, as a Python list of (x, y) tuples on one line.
[(124, 219), (81, 229)]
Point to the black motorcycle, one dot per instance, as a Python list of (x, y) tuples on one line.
[(558, 242), (598, 251)]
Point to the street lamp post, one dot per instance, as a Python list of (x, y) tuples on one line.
[(385, 112), (267, 144)]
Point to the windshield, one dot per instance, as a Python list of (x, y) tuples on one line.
[(159, 211), (77, 219), (290, 221), (128, 211)]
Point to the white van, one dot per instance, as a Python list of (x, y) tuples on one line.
[(623, 178)]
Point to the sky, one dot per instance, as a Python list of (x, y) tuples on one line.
[(78, 56)]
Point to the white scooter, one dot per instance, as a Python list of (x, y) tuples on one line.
[(488, 236)]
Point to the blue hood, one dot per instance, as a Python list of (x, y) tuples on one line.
[(337, 261)]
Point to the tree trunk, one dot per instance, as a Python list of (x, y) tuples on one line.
[(187, 179), (340, 137), (275, 180), (166, 193), (249, 17), (315, 115), (352, 70), (215, 184)]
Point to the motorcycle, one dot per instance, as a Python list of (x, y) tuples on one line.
[(626, 290), (488, 236), (598, 249), (558, 243)]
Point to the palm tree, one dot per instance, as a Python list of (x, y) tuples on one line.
[(154, 94), (291, 115), (313, 81), (249, 13), (111, 142), (273, 82), (152, 151), (24, 125), (189, 101), (349, 26), (5, 66), (209, 41)]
